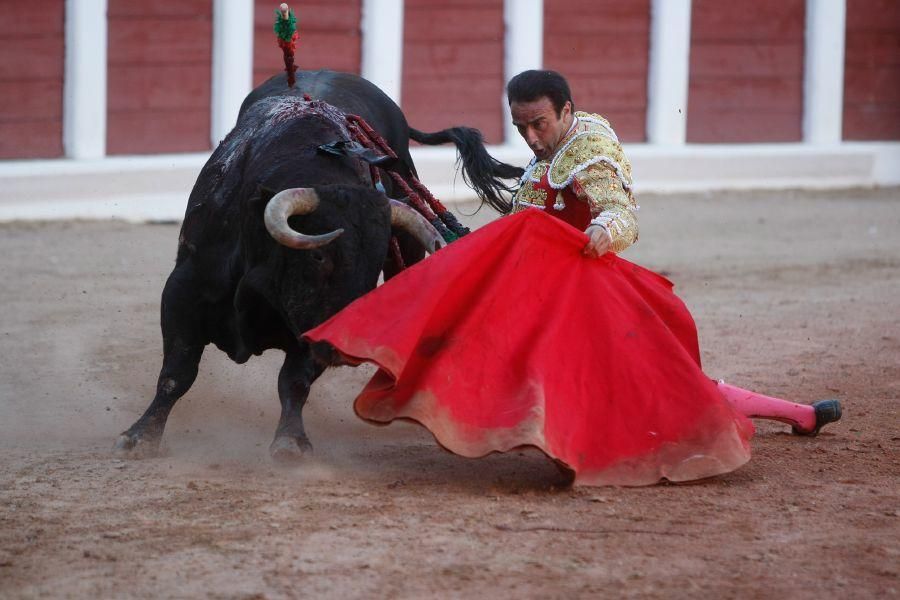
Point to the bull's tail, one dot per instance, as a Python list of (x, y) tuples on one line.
[(484, 173)]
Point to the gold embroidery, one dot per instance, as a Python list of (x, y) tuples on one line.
[(593, 122), (528, 195), (581, 150), (603, 190), (602, 187), (539, 170)]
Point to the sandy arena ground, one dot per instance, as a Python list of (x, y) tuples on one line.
[(795, 294)]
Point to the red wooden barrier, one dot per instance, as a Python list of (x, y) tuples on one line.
[(453, 65), (872, 70), (602, 49), (329, 37), (32, 63), (746, 71), (159, 75)]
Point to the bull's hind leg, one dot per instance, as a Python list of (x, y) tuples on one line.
[(182, 349), (294, 380), (178, 373)]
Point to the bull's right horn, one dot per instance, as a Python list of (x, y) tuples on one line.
[(409, 219), (294, 201)]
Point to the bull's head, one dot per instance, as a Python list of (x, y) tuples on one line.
[(301, 201), (302, 279)]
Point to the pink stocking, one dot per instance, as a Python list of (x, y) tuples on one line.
[(751, 404)]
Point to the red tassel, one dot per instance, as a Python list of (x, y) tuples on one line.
[(288, 49), (396, 255), (429, 197), (372, 135), (414, 199)]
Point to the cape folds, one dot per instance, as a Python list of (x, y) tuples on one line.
[(511, 337)]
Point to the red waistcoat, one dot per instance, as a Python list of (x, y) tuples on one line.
[(577, 212)]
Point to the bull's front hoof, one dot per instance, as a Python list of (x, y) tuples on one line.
[(287, 450), (131, 445)]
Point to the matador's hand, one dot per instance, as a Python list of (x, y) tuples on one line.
[(599, 242)]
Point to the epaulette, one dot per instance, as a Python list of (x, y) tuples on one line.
[(593, 142)]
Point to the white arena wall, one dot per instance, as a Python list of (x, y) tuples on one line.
[(157, 188)]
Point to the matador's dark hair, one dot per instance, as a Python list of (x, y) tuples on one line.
[(529, 86)]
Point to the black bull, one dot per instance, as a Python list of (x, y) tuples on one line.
[(235, 286)]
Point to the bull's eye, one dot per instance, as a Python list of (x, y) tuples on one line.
[(318, 257)]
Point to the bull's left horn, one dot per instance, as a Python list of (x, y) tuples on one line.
[(294, 201), (406, 218)]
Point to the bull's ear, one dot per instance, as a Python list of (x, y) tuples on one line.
[(261, 198), (255, 241), (265, 194)]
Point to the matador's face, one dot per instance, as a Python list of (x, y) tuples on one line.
[(540, 126)]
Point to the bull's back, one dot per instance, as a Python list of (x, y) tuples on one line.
[(350, 93)]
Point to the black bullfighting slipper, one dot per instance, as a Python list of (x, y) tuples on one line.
[(827, 411)]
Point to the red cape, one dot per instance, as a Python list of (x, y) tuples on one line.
[(511, 337)]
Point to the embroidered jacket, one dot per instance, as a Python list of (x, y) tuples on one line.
[(587, 180)]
